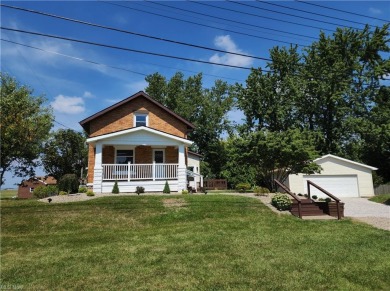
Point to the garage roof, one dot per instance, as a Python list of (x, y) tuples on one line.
[(345, 160)]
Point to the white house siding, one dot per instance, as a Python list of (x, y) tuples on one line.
[(334, 166)]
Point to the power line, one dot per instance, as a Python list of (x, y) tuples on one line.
[(109, 66), (229, 20), (343, 11), (310, 12), (202, 25), (255, 15), (125, 49), (130, 32)]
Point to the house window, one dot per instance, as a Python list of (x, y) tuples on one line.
[(31, 189), (140, 119), (124, 156)]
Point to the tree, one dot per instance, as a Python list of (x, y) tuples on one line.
[(25, 125), (274, 155), (65, 152), (206, 108)]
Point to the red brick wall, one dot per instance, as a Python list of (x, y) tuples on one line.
[(91, 163), (122, 118), (171, 155), (24, 190), (108, 155), (143, 155)]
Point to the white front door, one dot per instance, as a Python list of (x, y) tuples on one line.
[(159, 160)]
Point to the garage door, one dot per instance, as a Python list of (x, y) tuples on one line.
[(340, 185)]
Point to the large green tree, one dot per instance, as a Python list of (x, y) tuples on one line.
[(206, 108), (25, 125), (65, 152), (262, 156), (330, 87)]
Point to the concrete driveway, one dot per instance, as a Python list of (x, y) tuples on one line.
[(364, 210)]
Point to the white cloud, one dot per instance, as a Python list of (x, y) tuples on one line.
[(88, 94), (68, 105), (376, 11), (226, 43)]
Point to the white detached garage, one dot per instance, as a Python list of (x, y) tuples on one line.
[(339, 176)]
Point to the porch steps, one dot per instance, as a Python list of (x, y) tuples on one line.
[(308, 208)]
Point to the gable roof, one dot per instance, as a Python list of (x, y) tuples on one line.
[(136, 129), (84, 123), (345, 160)]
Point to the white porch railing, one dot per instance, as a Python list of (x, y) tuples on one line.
[(129, 172)]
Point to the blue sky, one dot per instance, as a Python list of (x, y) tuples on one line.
[(77, 89)]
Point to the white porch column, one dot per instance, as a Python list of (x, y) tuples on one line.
[(98, 170), (181, 171)]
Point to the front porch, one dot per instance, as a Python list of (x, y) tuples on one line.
[(137, 157)]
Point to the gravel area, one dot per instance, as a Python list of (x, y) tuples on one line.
[(373, 213)]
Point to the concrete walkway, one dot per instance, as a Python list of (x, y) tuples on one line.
[(373, 213)]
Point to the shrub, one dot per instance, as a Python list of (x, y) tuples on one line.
[(184, 192), (300, 194), (314, 197), (321, 199), (90, 193), (69, 183), (281, 201), (139, 190), (327, 199), (45, 191), (243, 187), (115, 189), (166, 190), (83, 189), (63, 193), (260, 190)]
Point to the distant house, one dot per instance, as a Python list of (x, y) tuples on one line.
[(26, 187), (195, 179), (138, 142)]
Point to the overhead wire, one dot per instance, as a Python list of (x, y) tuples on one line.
[(225, 19), (131, 32), (343, 11), (310, 12), (256, 15), (123, 48), (110, 66), (204, 25), (289, 14)]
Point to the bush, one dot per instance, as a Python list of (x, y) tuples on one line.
[(281, 201), (327, 199), (63, 193), (83, 189), (139, 190), (69, 183), (90, 193), (260, 190), (184, 192), (314, 197), (243, 187), (115, 189), (45, 191), (166, 190)]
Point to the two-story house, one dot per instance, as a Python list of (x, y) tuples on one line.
[(137, 142)]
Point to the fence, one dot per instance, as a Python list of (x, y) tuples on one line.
[(215, 184), (382, 189)]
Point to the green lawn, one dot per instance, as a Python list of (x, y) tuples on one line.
[(383, 198), (9, 193), (205, 242)]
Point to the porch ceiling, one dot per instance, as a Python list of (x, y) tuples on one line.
[(139, 136)]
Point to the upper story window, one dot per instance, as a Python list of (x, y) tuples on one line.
[(140, 119)]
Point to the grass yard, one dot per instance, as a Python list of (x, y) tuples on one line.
[(9, 193), (383, 198), (206, 242)]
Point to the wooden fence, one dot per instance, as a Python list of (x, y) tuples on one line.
[(215, 184), (382, 189)]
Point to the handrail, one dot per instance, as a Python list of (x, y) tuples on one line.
[(292, 195), (325, 192)]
